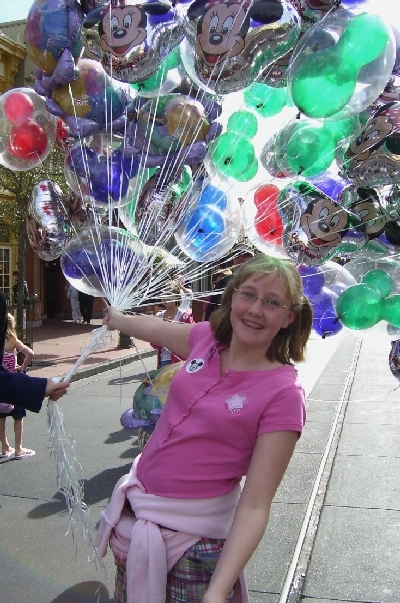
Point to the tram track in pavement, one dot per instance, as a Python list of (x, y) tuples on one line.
[(297, 571)]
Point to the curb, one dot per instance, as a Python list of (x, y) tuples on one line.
[(106, 366)]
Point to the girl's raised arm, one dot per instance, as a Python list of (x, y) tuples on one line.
[(171, 335)]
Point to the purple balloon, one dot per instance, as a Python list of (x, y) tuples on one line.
[(313, 280), (325, 321)]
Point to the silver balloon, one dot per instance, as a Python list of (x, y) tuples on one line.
[(47, 224), (394, 359), (132, 38), (231, 44)]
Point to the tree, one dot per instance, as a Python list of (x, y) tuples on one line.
[(13, 210)]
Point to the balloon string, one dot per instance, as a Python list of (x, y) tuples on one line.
[(62, 448)]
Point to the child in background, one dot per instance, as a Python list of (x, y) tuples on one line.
[(11, 347)]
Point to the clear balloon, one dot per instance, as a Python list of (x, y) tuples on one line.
[(47, 224), (359, 307), (159, 204), (379, 280), (174, 128), (304, 148), (105, 262), (341, 64), (166, 79), (205, 231), (262, 222), (27, 129)]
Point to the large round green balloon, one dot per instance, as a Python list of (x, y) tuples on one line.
[(358, 307)]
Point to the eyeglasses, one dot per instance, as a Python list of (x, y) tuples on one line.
[(268, 304)]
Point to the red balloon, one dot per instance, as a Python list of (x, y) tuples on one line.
[(265, 194), (268, 222), (18, 107), (27, 141)]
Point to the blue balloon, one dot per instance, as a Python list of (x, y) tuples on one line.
[(78, 263), (106, 177), (211, 195), (331, 187), (205, 228)]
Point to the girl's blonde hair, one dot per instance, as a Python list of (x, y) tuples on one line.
[(11, 332), (289, 344)]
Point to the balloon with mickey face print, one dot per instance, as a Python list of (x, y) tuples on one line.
[(315, 226), (231, 42), (372, 158), (133, 37)]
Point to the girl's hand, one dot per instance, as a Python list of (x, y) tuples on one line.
[(111, 318)]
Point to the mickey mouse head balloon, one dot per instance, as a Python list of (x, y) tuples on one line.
[(315, 225), (373, 156), (133, 37), (233, 41)]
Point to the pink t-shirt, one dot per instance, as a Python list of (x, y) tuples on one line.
[(203, 443)]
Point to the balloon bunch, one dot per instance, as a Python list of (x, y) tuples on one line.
[(191, 125)]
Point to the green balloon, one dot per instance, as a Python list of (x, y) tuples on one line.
[(232, 153), (358, 307), (173, 59), (243, 122), (248, 174), (342, 128), (391, 310), (179, 188), (326, 80), (154, 81), (309, 151), (265, 100), (364, 39), (379, 280)]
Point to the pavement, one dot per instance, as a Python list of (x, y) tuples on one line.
[(57, 345), (334, 531)]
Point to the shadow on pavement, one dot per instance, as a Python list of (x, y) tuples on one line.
[(116, 437), (85, 592)]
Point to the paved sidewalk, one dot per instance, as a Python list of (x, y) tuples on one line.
[(58, 344)]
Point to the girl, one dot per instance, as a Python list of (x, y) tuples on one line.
[(234, 409), (12, 346)]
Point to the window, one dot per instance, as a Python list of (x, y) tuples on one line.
[(5, 271)]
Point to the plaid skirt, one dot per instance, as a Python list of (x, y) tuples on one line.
[(189, 578)]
